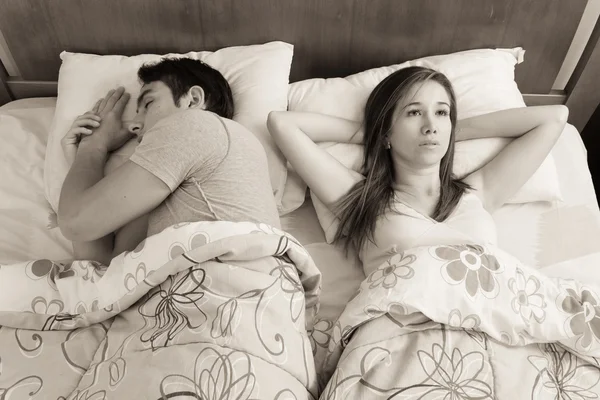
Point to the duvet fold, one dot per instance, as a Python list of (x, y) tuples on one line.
[(206, 310), (464, 322)]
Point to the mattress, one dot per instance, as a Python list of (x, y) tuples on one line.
[(559, 237)]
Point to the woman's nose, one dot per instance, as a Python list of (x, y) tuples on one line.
[(429, 126)]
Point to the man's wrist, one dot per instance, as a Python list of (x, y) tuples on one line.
[(92, 149), (92, 146)]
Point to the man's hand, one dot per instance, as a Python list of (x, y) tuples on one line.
[(82, 126), (111, 134)]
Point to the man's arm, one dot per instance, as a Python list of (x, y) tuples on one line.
[(91, 206), (124, 239), (101, 249), (128, 237), (97, 250)]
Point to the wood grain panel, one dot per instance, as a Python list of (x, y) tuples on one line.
[(331, 38), (31, 38), (584, 85), (5, 94), (415, 29), (144, 26), (37, 31), (390, 31), (320, 30), (545, 29)]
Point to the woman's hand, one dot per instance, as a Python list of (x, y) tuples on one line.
[(83, 125), (111, 134)]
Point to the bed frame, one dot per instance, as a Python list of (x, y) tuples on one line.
[(331, 37)]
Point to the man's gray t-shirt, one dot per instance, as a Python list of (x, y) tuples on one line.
[(215, 168)]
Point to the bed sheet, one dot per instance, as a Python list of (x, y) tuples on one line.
[(544, 234), (552, 236), (540, 234), (24, 211), (562, 238)]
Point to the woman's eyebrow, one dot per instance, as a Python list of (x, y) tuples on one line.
[(418, 103)]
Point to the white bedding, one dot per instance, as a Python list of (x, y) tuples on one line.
[(24, 211), (554, 237), (540, 234), (560, 238)]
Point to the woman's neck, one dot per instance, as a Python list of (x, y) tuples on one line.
[(418, 183)]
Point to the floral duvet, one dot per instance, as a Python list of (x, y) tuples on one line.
[(207, 310), (464, 322)]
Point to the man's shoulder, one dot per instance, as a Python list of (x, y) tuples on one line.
[(193, 118)]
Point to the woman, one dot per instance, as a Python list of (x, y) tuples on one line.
[(407, 195)]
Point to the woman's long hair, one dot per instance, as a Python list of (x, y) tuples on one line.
[(371, 197)]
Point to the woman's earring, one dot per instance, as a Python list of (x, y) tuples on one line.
[(389, 145)]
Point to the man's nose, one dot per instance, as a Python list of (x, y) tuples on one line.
[(135, 127)]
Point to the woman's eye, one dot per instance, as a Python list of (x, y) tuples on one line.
[(443, 113), (414, 112), (148, 104)]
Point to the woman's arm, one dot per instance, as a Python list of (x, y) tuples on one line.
[(296, 133), (510, 123), (324, 128), (536, 130)]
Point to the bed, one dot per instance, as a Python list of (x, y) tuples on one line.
[(558, 238)]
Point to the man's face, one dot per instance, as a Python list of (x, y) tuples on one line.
[(154, 103)]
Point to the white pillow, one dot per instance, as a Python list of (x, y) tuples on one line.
[(483, 81), (470, 155), (258, 76)]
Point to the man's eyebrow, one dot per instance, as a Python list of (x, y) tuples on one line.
[(141, 97)]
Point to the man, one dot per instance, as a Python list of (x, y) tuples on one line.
[(193, 163)]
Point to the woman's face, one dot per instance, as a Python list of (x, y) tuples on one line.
[(421, 127)]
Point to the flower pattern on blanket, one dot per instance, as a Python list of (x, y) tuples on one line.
[(452, 291), (469, 264), (209, 310), (470, 324), (454, 375), (320, 334), (216, 376), (167, 308), (584, 321), (387, 275), (50, 270), (528, 301), (563, 375)]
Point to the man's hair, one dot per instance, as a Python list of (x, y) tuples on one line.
[(180, 74)]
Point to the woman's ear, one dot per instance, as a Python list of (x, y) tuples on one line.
[(195, 97)]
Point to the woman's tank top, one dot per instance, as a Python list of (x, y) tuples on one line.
[(405, 228)]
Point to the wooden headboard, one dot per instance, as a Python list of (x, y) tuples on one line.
[(331, 37)]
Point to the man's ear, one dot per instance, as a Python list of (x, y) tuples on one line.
[(196, 98)]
